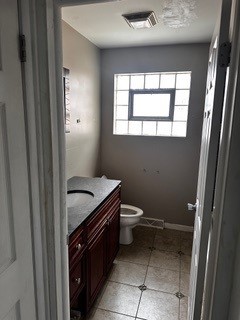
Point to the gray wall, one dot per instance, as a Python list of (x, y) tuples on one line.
[(82, 58), (164, 194)]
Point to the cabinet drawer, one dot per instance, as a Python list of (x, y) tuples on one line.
[(76, 246), (103, 213), (77, 277)]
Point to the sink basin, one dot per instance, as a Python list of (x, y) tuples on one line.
[(77, 198)]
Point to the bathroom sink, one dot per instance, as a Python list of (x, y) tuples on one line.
[(77, 198)]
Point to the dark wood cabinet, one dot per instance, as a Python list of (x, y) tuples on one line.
[(92, 250), (77, 277), (112, 238), (96, 265)]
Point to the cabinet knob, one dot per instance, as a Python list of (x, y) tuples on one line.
[(77, 280), (78, 246)]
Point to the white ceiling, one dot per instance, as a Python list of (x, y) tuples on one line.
[(104, 26)]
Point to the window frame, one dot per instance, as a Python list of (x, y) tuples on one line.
[(132, 92), (175, 127)]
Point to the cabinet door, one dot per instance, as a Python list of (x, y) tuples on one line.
[(77, 277), (96, 265), (113, 237)]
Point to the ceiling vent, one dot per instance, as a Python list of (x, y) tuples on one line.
[(141, 20)]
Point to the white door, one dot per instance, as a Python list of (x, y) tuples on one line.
[(17, 297), (216, 80)]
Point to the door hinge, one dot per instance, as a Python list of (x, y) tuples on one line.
[(225, 54), (22, 48)]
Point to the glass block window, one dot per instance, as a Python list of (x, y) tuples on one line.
[(151, 104)]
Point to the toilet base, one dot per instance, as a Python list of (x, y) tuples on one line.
[(126, 236)]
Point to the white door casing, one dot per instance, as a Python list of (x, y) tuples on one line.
[(216, 81), (17, 296), (206, 132), (225, 224)]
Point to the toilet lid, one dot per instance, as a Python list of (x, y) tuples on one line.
[(128, 211)]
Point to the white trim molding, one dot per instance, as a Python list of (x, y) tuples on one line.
[(221, 299), (39, 22), (179, 227)]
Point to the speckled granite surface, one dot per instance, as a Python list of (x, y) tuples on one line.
[(100, 187)]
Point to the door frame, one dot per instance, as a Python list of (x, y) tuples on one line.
[(220, 36), (43, 101), (223, 239), (41, 23)]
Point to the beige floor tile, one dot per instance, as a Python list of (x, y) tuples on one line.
[(99, 296), (186, 246), (184, 283), (167, 243), (120, 298), (183, 313), (169, 233), (156, 305), (143, 236), (99, 314), (162, 280), (142, 230), (134, 254), (187, 235), (165, 260), (185, 263), (128, 273), (143, 239)]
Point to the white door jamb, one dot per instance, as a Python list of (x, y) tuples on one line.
[(41, 23), (226, 219), (42, 75)]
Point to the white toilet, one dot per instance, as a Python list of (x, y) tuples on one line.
[(129, 218)]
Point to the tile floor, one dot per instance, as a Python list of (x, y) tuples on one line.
[(159, 260)]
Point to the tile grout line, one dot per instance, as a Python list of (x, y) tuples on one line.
[(179, 279), (141, 264), (179, 309), (122, 314), (147, 265), (138, 304), (125, 284), (146, 271), (145, 275), (144, 284), (136, 286), (179, 276)]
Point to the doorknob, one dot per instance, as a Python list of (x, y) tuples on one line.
[(192, 207)]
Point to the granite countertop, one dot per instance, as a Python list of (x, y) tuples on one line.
[(100, 187)]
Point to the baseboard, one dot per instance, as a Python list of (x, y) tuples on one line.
[(179, 227), (161, 224)]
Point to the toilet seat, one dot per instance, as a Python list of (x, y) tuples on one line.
[(127, 211)]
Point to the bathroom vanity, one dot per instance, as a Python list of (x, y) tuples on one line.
[(93, 236)]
